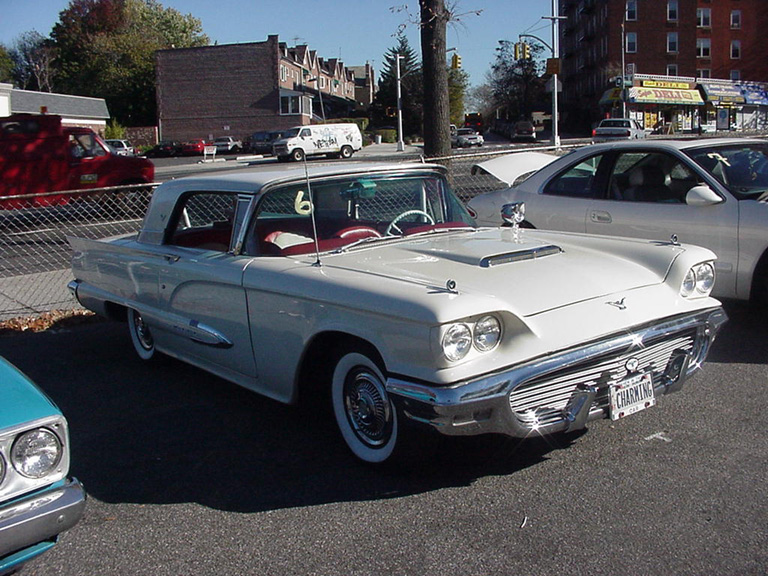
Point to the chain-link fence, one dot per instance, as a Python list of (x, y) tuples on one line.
[(35, 254)]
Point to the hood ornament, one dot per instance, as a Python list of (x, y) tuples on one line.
[(618, 304), (513, 215)]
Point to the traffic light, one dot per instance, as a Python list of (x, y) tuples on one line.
[(455, 61), (526, 51), (517, 50)]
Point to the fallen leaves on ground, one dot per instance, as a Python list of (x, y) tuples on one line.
[(53, 320)]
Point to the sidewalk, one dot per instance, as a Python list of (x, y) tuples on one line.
[(31, 294)]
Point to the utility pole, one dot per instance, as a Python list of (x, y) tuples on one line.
[(400, 143), (555, 18)]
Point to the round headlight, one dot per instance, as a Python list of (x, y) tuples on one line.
[(487, 333), (705, 278), (36, 453), (689, 283), (457, 341)]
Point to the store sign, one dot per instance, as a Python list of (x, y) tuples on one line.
[(723, 93), (665, 84), (665, 96)]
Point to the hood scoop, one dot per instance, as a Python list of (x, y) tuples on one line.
[(520, 255)]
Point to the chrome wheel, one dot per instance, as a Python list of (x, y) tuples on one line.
[(141, 335), (364, 413)]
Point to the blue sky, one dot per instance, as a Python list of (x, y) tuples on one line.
[(354, 30)]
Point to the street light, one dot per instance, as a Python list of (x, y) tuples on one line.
[(400, 143), (320, 92)]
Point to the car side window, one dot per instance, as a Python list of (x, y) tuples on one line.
[(205, 220), (578, 181), (650, 177)]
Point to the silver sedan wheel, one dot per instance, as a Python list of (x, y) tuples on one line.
[(141, 335), (365, 415)]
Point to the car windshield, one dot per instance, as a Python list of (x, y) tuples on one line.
[(742, 168), (352, 209), (292, 133)]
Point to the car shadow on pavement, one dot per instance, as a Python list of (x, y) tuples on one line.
[(160, 433)]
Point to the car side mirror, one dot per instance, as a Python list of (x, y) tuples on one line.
[(702, 195)]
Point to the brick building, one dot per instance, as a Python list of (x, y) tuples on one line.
[(238, 89), (689, 41)]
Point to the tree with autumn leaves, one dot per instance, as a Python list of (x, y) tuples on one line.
[(105, 49)]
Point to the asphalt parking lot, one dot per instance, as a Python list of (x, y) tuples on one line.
[(188, 474)]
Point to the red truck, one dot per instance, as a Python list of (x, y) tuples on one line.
[(39, 155)]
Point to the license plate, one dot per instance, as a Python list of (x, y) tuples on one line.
[(631, 395)]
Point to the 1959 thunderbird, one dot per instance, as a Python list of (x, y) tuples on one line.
[(372, 284), (37, 500)]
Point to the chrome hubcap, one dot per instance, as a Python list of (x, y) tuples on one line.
[(142, 332), (368, 409)]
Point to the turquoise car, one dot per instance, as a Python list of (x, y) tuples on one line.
[(37, 500)]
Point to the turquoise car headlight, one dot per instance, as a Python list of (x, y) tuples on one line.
[(699, 280), (457, 341), (487, 333), (36, 453)]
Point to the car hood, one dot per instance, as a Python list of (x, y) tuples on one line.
[(541, 272), (22, 400), (510, 167)]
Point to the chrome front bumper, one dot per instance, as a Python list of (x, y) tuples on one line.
[(562, 391), (42, 516)]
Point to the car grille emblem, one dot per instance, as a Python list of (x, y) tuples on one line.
[(618, 303), (632, 365)]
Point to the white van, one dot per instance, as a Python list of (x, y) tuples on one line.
[(333, 140)]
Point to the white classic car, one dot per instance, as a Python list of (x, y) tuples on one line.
[(710, 192), (371, 284)]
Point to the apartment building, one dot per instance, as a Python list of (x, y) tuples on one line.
[(668, 45), (238, 89)]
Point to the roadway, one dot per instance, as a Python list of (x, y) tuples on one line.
[(188, 474)]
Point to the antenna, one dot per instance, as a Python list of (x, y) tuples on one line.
[(312, 214)]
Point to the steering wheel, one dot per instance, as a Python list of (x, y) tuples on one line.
[(393, 224)]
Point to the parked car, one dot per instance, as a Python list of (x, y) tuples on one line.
[(261, 142), (227, 145), (611, 129), (37, 500), (709, 192), (524, 130), (165, 149), (121, 147), (195, 147), (370, 286), (468, 137)]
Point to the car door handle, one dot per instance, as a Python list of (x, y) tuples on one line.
[(171, 257), (600, 216)]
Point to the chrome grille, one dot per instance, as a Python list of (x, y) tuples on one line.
[(544, 397)]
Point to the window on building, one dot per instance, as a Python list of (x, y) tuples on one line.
[(704, 17), (283, 74), (703, 73), (703, 47), (671, 69), (672, 10), (735, 49), (631, 47), (291, 104), (631, 13), (735, 19), (322, 82), (735, 75), (672, 42)]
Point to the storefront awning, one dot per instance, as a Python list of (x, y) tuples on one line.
[(723, 93), (644, 95), (755, 94), (638, 95)]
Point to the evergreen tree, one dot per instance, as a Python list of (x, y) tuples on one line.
[(6, 65), (410, 86)]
